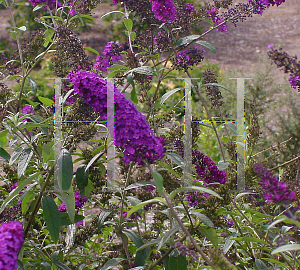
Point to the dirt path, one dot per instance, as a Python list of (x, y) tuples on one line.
[(242, 46)]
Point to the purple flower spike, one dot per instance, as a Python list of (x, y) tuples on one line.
[(164, 10), (132, 131), (11, 241), (217, 20), (274, 190)]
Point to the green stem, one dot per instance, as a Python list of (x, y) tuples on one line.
[(38, 202), (187, 232)]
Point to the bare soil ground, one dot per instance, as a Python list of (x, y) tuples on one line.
[(238, 49)]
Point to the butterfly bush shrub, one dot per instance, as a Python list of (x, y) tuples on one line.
[(58, 209)]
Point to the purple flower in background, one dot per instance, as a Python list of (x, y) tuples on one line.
[(274, 190), (261, 5), (27, 110), (110, 54), (79, 202), (164, 10), (132, 131), (11, 241), (189, 7), (52, 4), (217, 20), (187, 58), (295, 81)]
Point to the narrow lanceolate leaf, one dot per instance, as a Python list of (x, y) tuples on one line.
[(158, 180), (15, 192), (4, 154), (290, 247), (61, 266), (51, 216), (65, 169), (139, 184), (102, 217), (167, 236), (82, 177), (229, 242), (204, 219), (168, 94), (187, 40), (15, 155), (111, 263), (260, 265), (69, 200), (207, 45), (33, 84), (194, 188), (210, 234), (145, 70), (24, 160)]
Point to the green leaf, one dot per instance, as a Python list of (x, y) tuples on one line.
[(158, 180), (27, 201), (4, 154), (82, 177), (91, 50), (69, 200), (204, 219), (141, 255), (177, 263), (46, 101), (139, 184), (178, 160), (3, 138), (65, 169), (15, 155), (93, 160), (102, 217), (37, 7), (47, 152), (168, 94), (61, 265), (187, 40), (38, 120), (115, 11), (51, 216), (22, 28), (194, 188), (207, 45), (149, 244), (24, 160), (139, 206), (87, 190), (33, 84), (260, 265), (145, 70), (15, 192), (232, 126), (111, 263), (132, 36), (128, 24), (250, 239), (133, 96), (222, 165), (167, 236), (65, 220), (284, 248), (49, 33), (229, 242), (52, 17), (210, 234)]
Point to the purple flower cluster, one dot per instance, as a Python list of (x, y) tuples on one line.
[(213, 13), (52, 4), (164, 10), (274, 190), (110, 54), (295, 81), (206, 169), (261, 5), (185, 251), (189, 7), (132, 131), (11, 241), (79, 202), (27, 110), (187, 58)]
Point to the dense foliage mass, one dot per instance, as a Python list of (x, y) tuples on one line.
[(159, 191)]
